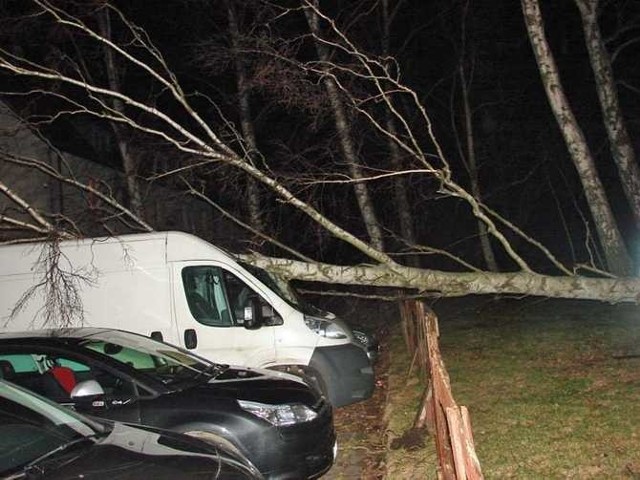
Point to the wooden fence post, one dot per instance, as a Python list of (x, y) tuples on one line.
[(449, 423)]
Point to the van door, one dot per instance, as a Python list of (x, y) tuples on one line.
[(211, 304)]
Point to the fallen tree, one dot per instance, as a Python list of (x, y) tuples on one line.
[(455, 284)]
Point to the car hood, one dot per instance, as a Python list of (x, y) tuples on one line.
[(258, 385), (129, 452)]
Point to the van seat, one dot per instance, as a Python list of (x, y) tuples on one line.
[(200, 308)]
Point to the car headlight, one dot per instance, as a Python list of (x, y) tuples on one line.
[(279, 415), (324, 327)]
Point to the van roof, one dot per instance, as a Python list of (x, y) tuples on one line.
[(102, 254)]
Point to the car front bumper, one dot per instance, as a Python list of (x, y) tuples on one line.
[(305, 451)]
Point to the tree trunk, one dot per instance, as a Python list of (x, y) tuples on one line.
[(254, 203), (617, 257), (468, 151), (619, 141), (451, 284), (401, 196), (129, 163), (472, 166), (363, 197)]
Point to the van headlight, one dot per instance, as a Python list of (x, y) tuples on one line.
[(279, 415), (325, 328)]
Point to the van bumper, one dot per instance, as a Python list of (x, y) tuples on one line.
[(346, 371)]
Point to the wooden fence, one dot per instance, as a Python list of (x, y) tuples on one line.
[(449, 423)]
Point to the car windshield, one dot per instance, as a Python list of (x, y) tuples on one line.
[(32, 427), (162, 361)]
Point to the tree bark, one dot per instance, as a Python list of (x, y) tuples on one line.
[(363, 196), (619, 141), (452, 284), (617, 257)]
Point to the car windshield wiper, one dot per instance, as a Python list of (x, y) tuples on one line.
[(37, 468), (212, 371), (209, 372), (88, 440)]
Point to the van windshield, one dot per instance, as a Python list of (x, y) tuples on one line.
[(280, 287)]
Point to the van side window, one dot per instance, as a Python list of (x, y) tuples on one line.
[(239, 294), (206, 295)]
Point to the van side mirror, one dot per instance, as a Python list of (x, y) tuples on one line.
[(253, 314)]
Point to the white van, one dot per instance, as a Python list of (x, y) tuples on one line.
[(178, 288)]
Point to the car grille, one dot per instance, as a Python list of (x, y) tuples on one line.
[(361, 338)]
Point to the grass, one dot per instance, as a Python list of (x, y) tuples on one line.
[(549, 394), (546, 395)]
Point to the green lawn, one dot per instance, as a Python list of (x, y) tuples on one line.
[(548, 398)]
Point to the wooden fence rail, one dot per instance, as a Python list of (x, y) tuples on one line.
[(449, 423)]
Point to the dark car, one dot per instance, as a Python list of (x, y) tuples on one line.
[(284, 427), (40, 439)]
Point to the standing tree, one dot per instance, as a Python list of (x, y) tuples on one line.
[(401, 196), (619, 141), (343, 129), (129, 162), (254, 203), (615, 251), (468, 149)]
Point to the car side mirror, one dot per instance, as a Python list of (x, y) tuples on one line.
[(253, 314), (88, 388)]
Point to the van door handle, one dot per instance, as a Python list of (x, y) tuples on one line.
[(190, 338)]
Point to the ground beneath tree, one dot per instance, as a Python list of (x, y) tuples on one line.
[(362, 427), (361, 431)]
